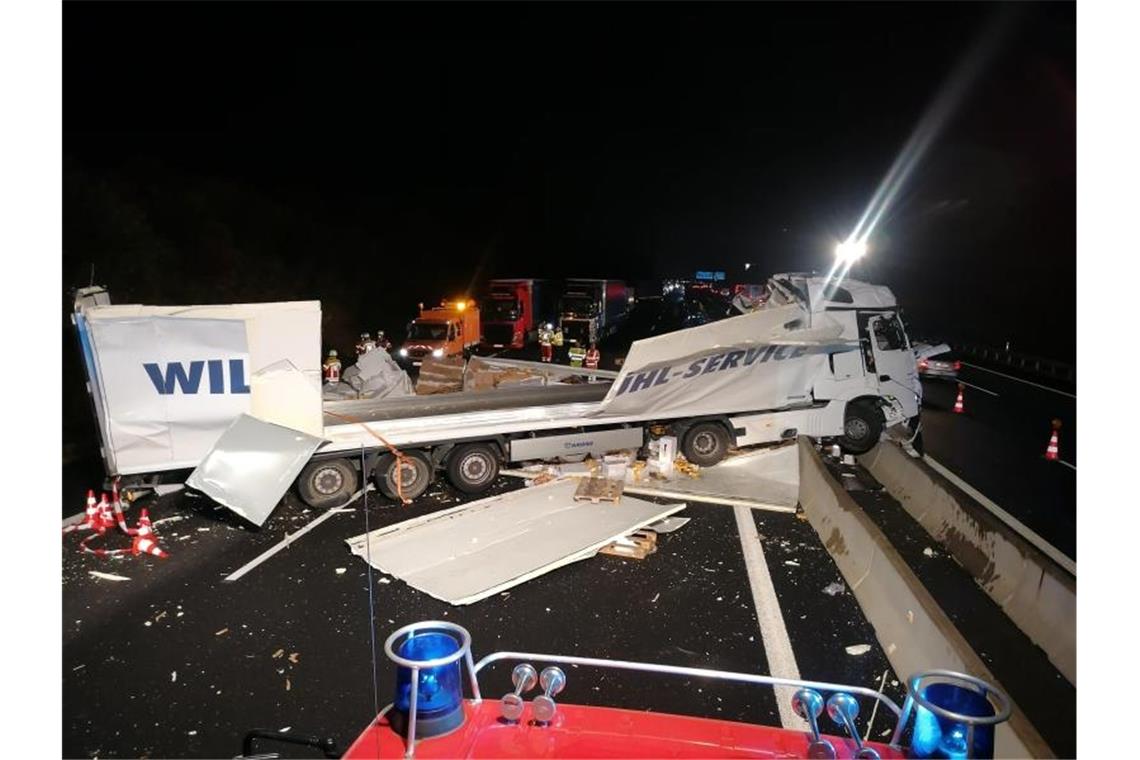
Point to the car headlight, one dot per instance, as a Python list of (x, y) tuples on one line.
[(403, 352), (437, 353)]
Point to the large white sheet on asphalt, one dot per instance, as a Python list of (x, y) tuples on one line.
[(468, 553), (766, 479)]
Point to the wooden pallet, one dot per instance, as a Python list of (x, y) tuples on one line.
[(598, 490), (637, 545)]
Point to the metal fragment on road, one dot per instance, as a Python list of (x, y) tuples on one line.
[(834, 589), (858, 649), (107, 576), (222, 632)]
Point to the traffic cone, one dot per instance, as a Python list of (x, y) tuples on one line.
[(959, 407), (104, 516), (1051, 451), (117, 506), (144, 542), (89, 515)]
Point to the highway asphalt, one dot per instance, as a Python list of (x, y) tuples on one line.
[(997, 445), (176, 662)]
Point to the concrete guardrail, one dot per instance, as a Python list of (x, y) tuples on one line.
[(915, 632)]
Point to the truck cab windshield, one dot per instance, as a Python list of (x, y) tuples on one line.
[(428, 331), (581, 305), (501, 311)]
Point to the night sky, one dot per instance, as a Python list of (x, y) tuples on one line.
[(376, 155)]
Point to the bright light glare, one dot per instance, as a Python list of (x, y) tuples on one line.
[(437, 353), (461, 306), (403, 352), (850, 251)]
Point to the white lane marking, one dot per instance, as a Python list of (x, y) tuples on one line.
[(1019, 527), (1072, 467), (773, 633), (237, 574), (977, 387), (1018, 379)]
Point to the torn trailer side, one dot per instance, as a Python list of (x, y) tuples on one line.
[(817, 360)]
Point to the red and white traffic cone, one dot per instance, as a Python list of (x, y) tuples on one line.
[(117, 506), (145, 542), (89, 515), (959, 407), (1051, 451), (105, 516)]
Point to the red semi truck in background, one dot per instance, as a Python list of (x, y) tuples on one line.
[(512, 311)]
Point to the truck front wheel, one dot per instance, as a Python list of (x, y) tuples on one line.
[(327, 482), (705, 443), (414, 473), (862, 426), (472, 467)]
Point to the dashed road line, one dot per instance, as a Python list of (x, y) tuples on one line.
[(773, 632)]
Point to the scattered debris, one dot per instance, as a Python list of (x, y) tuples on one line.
[(595, 490), (284, 730), (191, 733), (78, 667), (288, 684), (160, 616), (341, 570), (383, 580), (791, 563), (637, 545), (834, 589), (929, 552), (222, 632), (655, 598), (278, 653), (173, 676), (295, 657), (858, 649), (910, 616), (670, 524), (107, 576)]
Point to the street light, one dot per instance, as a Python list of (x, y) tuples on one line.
[(850, 251)]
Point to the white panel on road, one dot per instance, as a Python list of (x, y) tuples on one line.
[(467, 553), (252, 465), (767, 479)]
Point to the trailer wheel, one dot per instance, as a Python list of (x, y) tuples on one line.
[(472, 467), (862, 426), (327, 482), (415, 474), (705, 443)]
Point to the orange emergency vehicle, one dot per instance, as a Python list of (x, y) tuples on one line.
[(450, 329)]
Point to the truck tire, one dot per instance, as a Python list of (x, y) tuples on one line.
[(472, 467), (862, 426), (705, 443), (416, 475), (327, 483)]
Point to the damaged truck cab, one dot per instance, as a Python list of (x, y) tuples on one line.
[(878, 383)]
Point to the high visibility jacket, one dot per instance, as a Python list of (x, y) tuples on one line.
[(332, 370), (577, 354)]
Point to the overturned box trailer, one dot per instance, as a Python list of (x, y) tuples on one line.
[(820, 359)]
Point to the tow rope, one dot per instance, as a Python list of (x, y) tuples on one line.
[(401, 457)]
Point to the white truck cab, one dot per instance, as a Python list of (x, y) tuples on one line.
[(881, 375)]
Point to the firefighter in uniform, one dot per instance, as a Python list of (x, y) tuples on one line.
[(593, 356), (382, 341), (546, 342), (577, 355), (365, 345), (332, 369)]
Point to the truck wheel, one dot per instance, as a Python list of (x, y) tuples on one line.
[(415, 474), (862, 425), (472, 467), (327, 482), (705, 443)]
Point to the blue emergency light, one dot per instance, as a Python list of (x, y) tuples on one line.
[(429, 681), (955, 717)]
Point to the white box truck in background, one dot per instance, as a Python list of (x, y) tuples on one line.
[(819, 359)]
